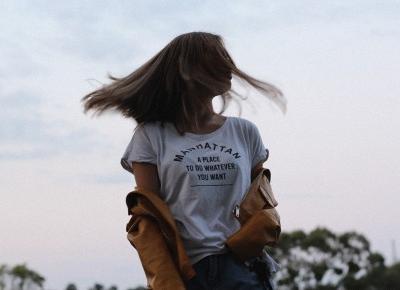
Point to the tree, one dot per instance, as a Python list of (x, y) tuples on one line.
[(97, 286), (24, 276), (324, 260), (71, 286), (380, 278), (3, 274)]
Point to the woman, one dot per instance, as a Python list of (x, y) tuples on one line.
[(198, 161)]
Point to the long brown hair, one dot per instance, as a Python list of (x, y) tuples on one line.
[(159, 90)]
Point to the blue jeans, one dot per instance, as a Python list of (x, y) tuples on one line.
[(224, 272)]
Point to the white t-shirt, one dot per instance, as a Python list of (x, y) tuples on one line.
[(203, 177)]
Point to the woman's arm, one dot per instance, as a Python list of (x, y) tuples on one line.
[(154, 252), (146, 176)]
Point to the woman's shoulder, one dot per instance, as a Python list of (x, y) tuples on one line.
[(243, 122), (149, 127)]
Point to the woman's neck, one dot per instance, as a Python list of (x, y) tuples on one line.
[(209, 123)]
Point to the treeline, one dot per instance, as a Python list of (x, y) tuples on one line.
[(324, 260), (20, 277), (97, 286), (317, 260)]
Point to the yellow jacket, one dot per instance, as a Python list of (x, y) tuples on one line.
[(152, 231)]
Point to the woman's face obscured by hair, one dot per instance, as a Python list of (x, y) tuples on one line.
[(227, 87), (217, 69), (202, 91), (204, 64)]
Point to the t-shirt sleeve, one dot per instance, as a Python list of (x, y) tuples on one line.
[(139, 149), (257, 149)]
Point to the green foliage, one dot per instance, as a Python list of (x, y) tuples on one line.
[(71, 286), (3, 273), (391, 277), (319, 270), (19, 277), (376, 260), (288, 240), (318, 260), (324, 260), (318, 238), (97, 286)]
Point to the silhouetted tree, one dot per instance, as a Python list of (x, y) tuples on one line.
[(3, 275), (24, 276), (97, 286), (324, 260), (71, 286), (379, 278)]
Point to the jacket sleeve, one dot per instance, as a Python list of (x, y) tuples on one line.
[(259, 219), (262, 229), (145, 236)]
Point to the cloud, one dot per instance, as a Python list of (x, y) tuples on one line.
[(26, 132), (340, 128)]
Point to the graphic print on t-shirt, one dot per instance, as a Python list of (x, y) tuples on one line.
[(209, 164)]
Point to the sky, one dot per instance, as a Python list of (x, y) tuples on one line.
[(333, 155)]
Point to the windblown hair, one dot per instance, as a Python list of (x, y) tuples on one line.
[(160, 89)]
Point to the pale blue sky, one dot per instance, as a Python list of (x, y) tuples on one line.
[(334, 155)]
